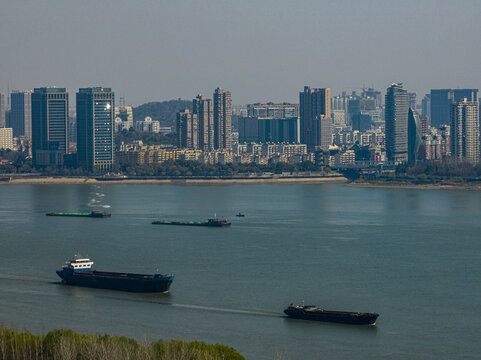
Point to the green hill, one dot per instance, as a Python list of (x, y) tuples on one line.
[(163, 111)]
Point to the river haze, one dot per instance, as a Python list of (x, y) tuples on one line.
[(413, 256)]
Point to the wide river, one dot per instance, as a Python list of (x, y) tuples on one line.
[(413, 256)]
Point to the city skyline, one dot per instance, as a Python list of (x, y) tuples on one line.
[(266, 52)]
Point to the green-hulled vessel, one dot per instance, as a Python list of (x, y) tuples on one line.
[(94, 214)]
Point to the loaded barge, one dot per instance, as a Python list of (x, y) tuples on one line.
[(210, 222), (94, 214), (310, 312), (78, 271)]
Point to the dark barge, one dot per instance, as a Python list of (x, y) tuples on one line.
[(310, 312), (210, 223)]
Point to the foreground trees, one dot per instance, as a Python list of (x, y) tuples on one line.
[(67, 345)]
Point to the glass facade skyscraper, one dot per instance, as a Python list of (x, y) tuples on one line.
[(95, 128), (21, 113), (396, 116), (49, 125)]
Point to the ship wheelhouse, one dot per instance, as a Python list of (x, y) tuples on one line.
[(79, 264)]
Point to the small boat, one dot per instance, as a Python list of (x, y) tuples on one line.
[(78, 271), (311, 312), (210, 223), (93, 214), (239, 214)]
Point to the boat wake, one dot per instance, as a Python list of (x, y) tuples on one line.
[(224, 310), (194, 307), (24, 278)]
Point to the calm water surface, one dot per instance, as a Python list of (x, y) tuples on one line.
[(414, 256)]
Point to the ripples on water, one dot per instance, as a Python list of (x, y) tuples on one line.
[(412, 256)]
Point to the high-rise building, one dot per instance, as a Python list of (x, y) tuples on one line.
[(187, 130), (204, 108), (396, 116), (21, 113), (126, 115), (274, 111), (95, 128), (222, 119), (412, 100), (441, 101), (268, 130), (49, 125), (6, 138), (426, 105), (314, 104), (414, 136), (3, 110), (373, 93), (465, 131)]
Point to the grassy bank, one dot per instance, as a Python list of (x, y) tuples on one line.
[(68, 345)]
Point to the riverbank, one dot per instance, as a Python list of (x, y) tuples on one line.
[(50, 180), (410, 185)]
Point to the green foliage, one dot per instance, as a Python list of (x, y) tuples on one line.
[(67, 345), (164, 111), (449, 169), (195, 168)]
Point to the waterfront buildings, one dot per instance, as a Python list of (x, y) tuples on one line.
[(222, 119), (396, 117), (204, 109), (49, 125), (21, 113), (315, 117), (187, 130), (441, 101), (95, 128), (465, 131)]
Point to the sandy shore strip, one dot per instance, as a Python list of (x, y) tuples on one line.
[(416, 186), (254, 180)]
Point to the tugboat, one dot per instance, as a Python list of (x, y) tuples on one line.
[(310, 312), (239, 214), (78, 271), (210, 223), (94, 214)]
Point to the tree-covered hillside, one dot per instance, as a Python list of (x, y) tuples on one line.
[(163, 111)]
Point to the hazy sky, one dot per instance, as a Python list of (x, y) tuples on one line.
[(259, 50)]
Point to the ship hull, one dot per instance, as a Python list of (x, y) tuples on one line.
[(190, 223), (91, 215), (341, 317), (117, 281)]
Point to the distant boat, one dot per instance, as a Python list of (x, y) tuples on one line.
[(94, 214), (239, 214), (210, 223), (310, 312), (78, 271)]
